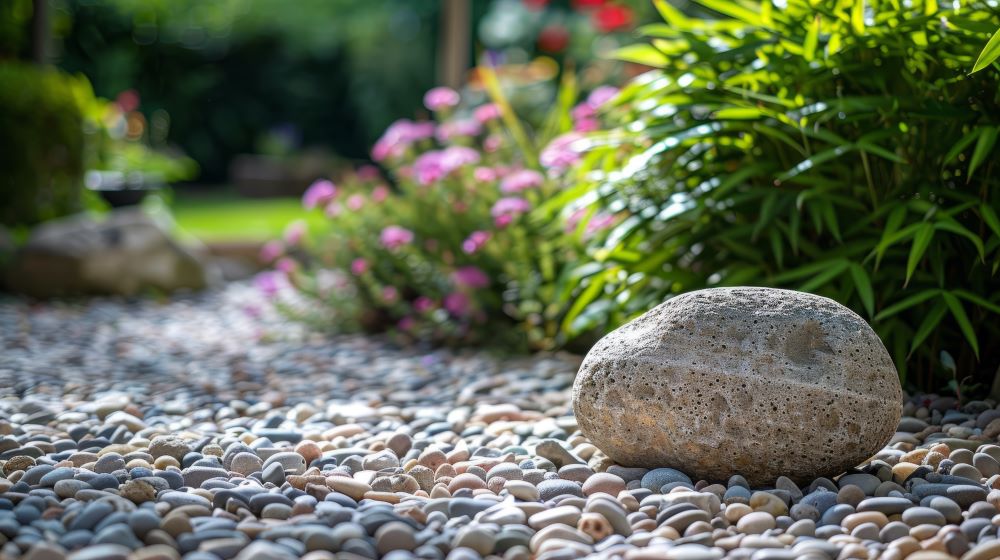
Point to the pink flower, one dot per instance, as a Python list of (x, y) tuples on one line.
[(432, 166), (441, 98), (583, 111), (368, 173), (394, 237), (586, 125), (470, 277), (475, 241), (521, 180), (286, 265), (406, 323), (390, 294), (355, 202), (457, 128), (599, 222), (399, 136), (318, 193), (428, 168), (359, 266), (601, 95), (492, 143), (270, 283), (574, 219), (506, 209), (333, 209), (457, 303), (295, 232), (484, 174), (560, 154), (380, 193), (270, 251), (486, 113), (423, 304), (454, 157)]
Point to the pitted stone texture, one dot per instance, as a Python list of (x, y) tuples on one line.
[(755, 381)]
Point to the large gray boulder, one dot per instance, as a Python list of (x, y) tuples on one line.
[(753, 381), (122, 254)]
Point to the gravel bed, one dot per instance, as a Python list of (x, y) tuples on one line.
[(206, 427)]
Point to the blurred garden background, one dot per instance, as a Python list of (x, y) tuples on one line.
[(520, 174)]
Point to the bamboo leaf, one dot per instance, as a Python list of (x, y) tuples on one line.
[(990, 53), (812, 39), (864, 286), (739, 113), (858, 16), (958, 312), (961, 145), (835, 269), (734, 9), (930, 322), (921, 240), (670, 14), (905, 304), (809, 163), (978, 300), (990, 217), (777, 247), (950, 225), (983, 148), (641, 54), (588, 295)]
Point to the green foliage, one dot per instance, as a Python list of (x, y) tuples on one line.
[(839, 147), (15, 16), (42, 134)]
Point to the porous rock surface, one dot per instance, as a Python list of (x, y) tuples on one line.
[(753, 381)]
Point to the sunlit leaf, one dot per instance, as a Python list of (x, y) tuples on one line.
[(738, 113), (858, 16), (734, 9), (990, 52), (812, 39), (641, 54)]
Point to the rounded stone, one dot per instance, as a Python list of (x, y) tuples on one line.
[(698, 380)]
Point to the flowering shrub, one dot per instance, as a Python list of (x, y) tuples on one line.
[(440, 244)]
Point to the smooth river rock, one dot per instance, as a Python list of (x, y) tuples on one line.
[(753, 381)]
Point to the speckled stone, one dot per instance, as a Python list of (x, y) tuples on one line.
[(697, 381)]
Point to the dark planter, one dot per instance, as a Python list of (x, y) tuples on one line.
[(120, 189), (124, 197)]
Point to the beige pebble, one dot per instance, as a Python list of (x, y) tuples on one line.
[(348, 486), (734, 512), (755, 523), (855, 519)]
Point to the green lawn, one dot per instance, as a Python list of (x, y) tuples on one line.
[(228, 217)]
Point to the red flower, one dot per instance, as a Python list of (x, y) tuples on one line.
[(581, 5), (553, 38), (612, 18)]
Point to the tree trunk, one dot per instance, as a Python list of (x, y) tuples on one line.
[(39, 31), (453, 50)]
